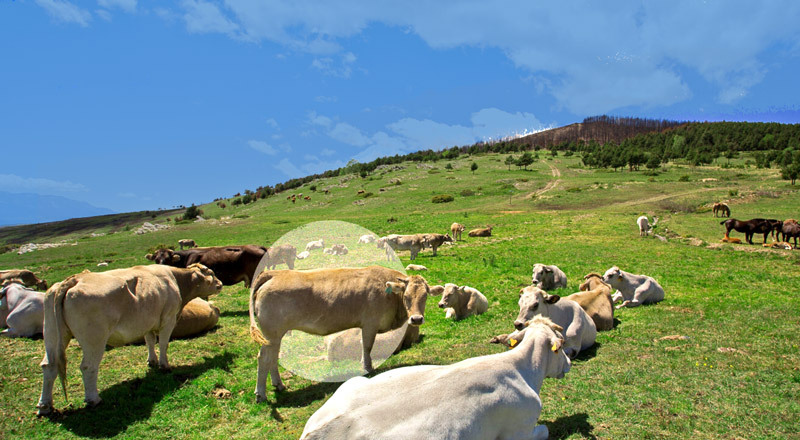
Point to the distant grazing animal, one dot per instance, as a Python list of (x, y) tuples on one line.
[(731, 240), (455, 231), (579, 329), (282, 254), (187, 243), (481, 232), (307, 197), (319, 244), (548, 277), (435, 240), (303, 255), (231, 264), (21, 310), (789, 229), (337, 249), (417, 267), (412, 243), (634, 289), (361, 191), (644, 226), (460, 301), (721, 209), (487, 397), (346, 345), (115, 308), (324, 301), (595, 299), (749, 227), (24, 277), (368, 238)]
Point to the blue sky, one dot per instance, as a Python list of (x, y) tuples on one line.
[(132, 105)]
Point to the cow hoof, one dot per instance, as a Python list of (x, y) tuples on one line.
[(260, 399), (152, 364), (44, 410), (93, 403), (280, 388), (165, 368)]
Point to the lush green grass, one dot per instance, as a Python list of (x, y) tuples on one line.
[(630, 386)]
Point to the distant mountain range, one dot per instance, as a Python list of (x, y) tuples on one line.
[(24, 208)]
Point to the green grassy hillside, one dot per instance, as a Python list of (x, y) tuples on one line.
[(735, 377)]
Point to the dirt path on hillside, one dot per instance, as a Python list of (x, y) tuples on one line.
[(664, 197), (550, 185)]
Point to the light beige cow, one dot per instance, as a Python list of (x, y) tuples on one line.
[(283, 254), (417, 267), (24, 277), (433, 241), (487, 397), (324, 301), (595, 299), (481, 232), (115, 308), (337, 249), (412, 243), (367, 238), (455, 231), (187, 243), (579, 330), (460, 302), (346, 345), (196, 317)]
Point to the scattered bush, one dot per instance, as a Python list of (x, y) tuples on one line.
[(240, 216), (313, 187), (733, 192), (223, 206), (467, 192), (192, 212), (442, 198), (236, 202), (574, 189), (391, 220), (247, 199), (684, 178), (449, 166)]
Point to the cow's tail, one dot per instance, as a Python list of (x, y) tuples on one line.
[(255, 333), (55, 327)]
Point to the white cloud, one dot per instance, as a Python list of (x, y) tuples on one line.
[(326, 152), (65, 11), (273, 123), (322, 121), (341, 68), (262, 147), (125, 5), (15, 184), (495, 123), (205, 17), (102, 13), (348, 134), (423, 134), (289, 169), (326, 99)]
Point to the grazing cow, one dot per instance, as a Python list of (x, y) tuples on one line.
[(731, 240), (231, 264), (455, 231), (435, 240), (417, 267), (790, 228), (644, 226), (412, 243), (634, 289), (21, 310), (284, 253), (115, 308), (187, 243), (595, 299), (721, 209), (368, 238), (319, 244), (749, 227), (487, 397), (24, 277), (460, 301), (303, 255), (324, 301), (548, 277), (481, 232), (346, 345), (307, 198), (579, 330)]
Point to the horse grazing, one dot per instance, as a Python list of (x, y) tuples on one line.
[(749, 227), (721, 209)]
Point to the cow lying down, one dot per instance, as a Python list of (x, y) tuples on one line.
[(346, 345), (633, 289), (21, 310), (460, 302), (487, 397)]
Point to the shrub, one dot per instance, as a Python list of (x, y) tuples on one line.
[(733, 192), (467, 192), (313, 187), (442, 198), (684, 178), (448, 166), (223, 206), (391, 220), (237, 201), (191, 213), (247, 199)]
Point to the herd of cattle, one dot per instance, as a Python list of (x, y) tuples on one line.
[(156, 302)]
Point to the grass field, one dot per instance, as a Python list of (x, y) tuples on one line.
[(736, 377)]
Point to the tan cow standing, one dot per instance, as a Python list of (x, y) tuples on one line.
[(455, 231), (595, 299), (433, 241), (187, 243), (24, 277), (412, 243), (324, 301), (115, 308)]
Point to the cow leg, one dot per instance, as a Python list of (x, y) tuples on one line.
[(49, 372), (367, 341), (268, 365), (92, 355), (540, 432), (163, 341), (434, 250), (616, 297), (450, 313), (150, 340)]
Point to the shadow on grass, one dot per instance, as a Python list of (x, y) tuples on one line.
[(235, 313), (564, 427), (589, 353), (131, 401)]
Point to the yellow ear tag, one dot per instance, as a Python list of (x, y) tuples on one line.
[(554, 348), (388, 289), (513, 342)]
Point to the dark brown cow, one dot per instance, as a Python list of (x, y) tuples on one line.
[(749, 227), (231, 264)]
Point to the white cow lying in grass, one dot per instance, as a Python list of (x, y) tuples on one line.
[(319, 244), (579, 329), (548, 277), (487, 397), (634, 289), (460, 301), (21, 310), (368, 238)]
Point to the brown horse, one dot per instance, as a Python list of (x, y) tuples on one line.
[(790, 228), (749, 227), (721, 209)]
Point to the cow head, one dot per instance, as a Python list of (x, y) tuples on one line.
[(540, 274), (592, 280), (41, 284), (533, 301), (613, 276), (164, 256), (414, 292), (450, 295), (447, 238), (203, 281)]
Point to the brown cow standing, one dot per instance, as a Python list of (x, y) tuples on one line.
[(231, 264)]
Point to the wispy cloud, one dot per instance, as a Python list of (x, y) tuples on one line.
[(286, 167), (262, 147), (65, 11), (273, 123), (16, 184), (126, 5), (205, 17), (340, 67)]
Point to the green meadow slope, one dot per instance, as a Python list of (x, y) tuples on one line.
[(736, 376)]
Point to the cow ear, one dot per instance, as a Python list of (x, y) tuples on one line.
[(552, 299), (547, 269), (150, 257), (461, 288), (398, 288), (176, 258), (437, 290), (557, 343)]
